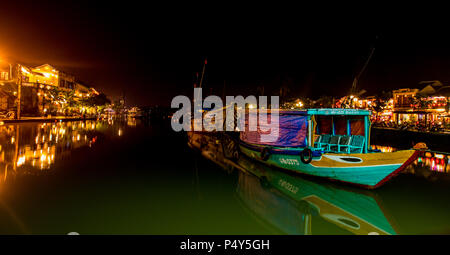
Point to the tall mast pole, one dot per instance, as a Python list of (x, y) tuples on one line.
[(19, 90), (355, 81), (203, 73)]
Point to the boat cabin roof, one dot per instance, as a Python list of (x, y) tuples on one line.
[(328, 111)]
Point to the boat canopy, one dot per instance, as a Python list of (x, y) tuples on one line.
[(293, 131)]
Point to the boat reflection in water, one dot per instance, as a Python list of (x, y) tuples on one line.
[(277, 195), (289, 203)]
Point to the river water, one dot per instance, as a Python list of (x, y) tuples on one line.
[(132, 177)]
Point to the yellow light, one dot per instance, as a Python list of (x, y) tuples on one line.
[(20, 161), (24, 70)]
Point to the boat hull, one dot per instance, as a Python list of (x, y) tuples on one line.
[(368, 170)]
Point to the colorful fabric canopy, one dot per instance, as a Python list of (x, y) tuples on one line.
[(292, 131)]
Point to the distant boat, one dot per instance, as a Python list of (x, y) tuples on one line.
[(135, 112), (331, 143)]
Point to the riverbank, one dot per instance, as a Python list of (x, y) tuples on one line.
[(406, 138), (44, 119)]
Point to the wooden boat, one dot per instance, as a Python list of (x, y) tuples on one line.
[(331, 143), (290, 204)]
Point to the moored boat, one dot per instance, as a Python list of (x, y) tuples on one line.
[(331, 143), (291, 204)]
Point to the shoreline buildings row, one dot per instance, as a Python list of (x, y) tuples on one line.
[(426, 105), (42, 90)]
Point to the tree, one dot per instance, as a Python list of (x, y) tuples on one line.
[(69, 101), (52, 98), (324, 102), (98, 102)]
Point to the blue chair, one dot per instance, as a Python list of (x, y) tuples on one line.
[(343, 143), (356, 144), (333, 145), (317, 141), (322, 142)]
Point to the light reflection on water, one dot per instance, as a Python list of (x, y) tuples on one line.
[(31, 148), (436, 162)]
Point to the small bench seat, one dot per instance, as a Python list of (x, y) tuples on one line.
[(338, 143), (322, 142), (334, 143), (356, 144)]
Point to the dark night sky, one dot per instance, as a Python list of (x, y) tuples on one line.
[(151, 53)]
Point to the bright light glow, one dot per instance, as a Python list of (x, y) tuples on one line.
[(20, 161), (24, 70)]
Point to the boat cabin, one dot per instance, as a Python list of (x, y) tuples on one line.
[(332, 130), (339, 130)]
